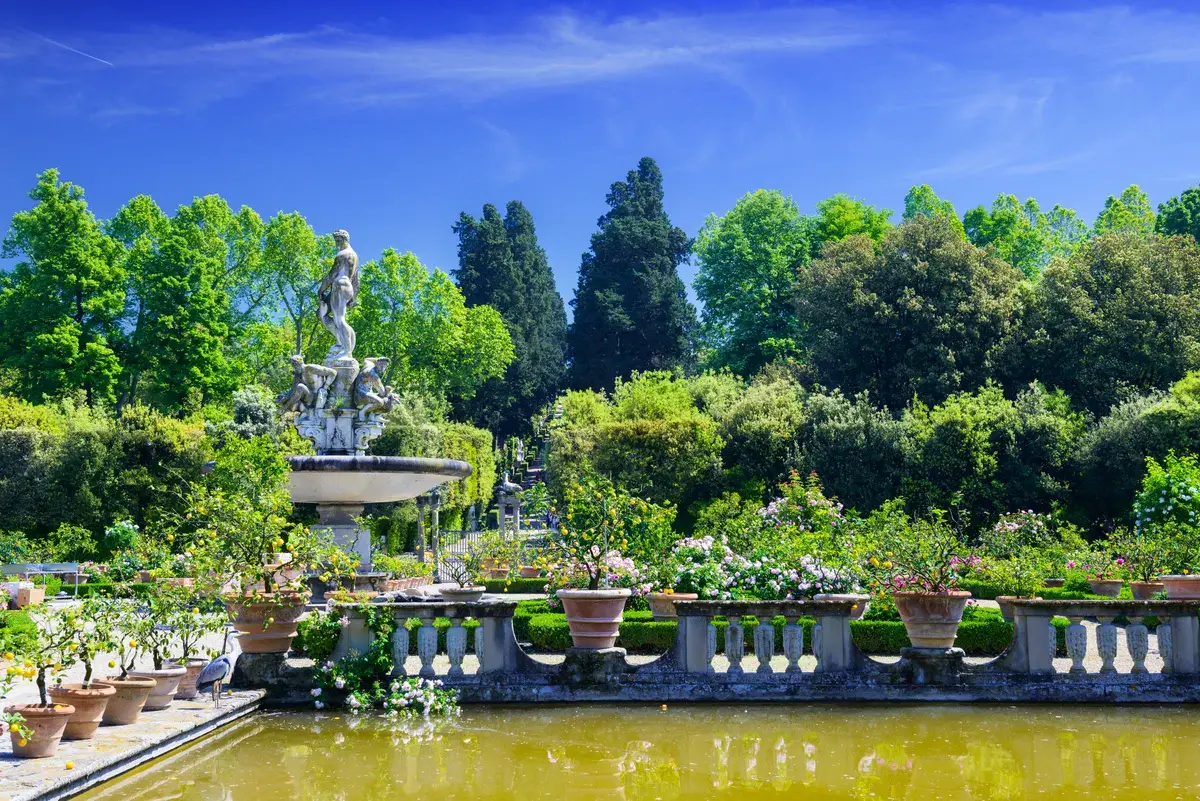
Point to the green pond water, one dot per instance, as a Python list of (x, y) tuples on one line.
[(693, 752)]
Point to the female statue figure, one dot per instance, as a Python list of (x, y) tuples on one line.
[(337, 294)]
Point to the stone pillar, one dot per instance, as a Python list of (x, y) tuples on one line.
[(1106, 644), (355, 638), (496, 645), (339, 519), (793, 644), (835, 647), (1137, 637), (735, 644), (427, 647), (1185, 644), (693, 640), (764, 645), (421, 501), (400, 648), (1165, 647)]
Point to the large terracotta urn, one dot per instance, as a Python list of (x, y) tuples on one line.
[(662, 604), (1181, 588), (594, 616), (46, 725), (89, 704), (126, 704), (266, 623), (931, 619), (166, 682)]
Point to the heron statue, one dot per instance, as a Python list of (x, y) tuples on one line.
[(215, 673)]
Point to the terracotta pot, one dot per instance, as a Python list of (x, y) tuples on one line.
[(47, 724), (187, 685), (1145, 590), (662, 604), (1181, 588), (861, 602), (497, 574), (166, 682), (251, 615), (1109, 588), (125, 707), (594, 616), (1055, 583), (389, 585), (931, 619), (530, 572), (463, 595), (180, 582), (1006, 607), (89, 707)]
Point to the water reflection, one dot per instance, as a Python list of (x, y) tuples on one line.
[(697, 752)]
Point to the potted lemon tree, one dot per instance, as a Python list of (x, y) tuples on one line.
[(918, 561), (37, 729), (92, 636)]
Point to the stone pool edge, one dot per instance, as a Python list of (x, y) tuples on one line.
[(72, 784)]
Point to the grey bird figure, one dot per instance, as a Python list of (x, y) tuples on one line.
[(213, 675)]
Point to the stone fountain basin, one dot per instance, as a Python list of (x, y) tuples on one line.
[(369, 479)]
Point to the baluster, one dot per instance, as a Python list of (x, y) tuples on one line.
[(816, 644), (793, 644), (735, 644), (710, 632), (1165, 646), (1076, 644), (764, 644), (400, 647), (427, 647), (478, 643), (1137, 639), (456, 645), (1106, 644)]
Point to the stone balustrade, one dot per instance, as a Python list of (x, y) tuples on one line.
[(837, 670), (1035, 639)]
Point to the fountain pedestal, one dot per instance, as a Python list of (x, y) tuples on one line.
[(339, 519)]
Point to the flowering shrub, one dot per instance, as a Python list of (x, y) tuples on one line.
[(768, 579), (410, 697), (1017, 532), (605, 571), (1170, 493), (1097, 563), (699, 565), (803, 506)]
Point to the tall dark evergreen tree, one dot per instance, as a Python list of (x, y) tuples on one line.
[(631, 308), (500, 264)]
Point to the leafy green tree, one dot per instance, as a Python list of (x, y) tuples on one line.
[(841, 216), (1120, 316), (1024, 235), (748, 260), (502, 265), (233, 241), (631, 308), (924, 313), (420, 322), (761, 428), (922, 201), (61, 307), (989, 454), (1131, 213), (1180, 215), (294, 261)]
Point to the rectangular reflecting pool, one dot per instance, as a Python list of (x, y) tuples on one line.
[(692, 752)]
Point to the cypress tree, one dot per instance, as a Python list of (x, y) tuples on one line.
[(502, 265), (631, 308)]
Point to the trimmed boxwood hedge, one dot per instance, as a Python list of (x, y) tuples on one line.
[(104, 589), (17, 631)]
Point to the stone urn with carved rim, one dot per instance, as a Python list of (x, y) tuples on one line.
[(594, 616), (266, 622), (1109, 588), (931, 619)]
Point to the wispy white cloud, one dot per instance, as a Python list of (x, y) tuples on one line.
[(564, 50)]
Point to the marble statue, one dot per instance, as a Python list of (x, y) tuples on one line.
[(336, 405), (337, 295)]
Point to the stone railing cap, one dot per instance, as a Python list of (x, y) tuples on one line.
[(1113, 607), (760, 608), (436, 609)]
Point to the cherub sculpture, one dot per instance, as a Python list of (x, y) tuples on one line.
[(370, 395), (310, 384)]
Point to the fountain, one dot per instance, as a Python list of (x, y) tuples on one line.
[(341, 406)]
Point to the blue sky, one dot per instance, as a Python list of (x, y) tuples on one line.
[(388, 119)]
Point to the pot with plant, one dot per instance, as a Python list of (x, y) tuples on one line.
[(1100, 566), (36, 729), (592, 580), (465, 571), (92, 637), (1168, 509), (1145, 555), (919, 562), (238, 518), (404, 572), (497, 555), (120, 617), (159, 617)]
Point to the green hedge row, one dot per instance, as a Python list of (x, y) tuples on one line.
[(17, 632), (103, 589)]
